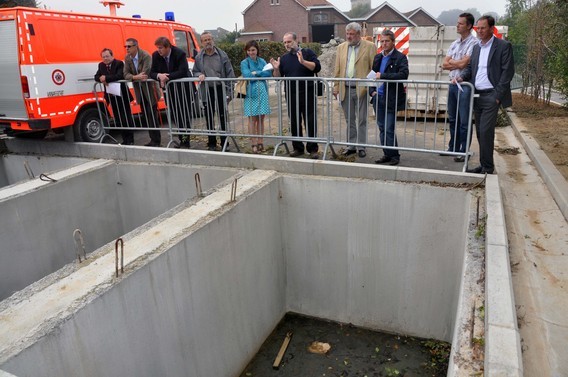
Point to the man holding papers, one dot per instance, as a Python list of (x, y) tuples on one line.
[(354, 60), (110, 71), (459, 96)]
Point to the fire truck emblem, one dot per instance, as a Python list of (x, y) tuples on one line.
[(58, 77)]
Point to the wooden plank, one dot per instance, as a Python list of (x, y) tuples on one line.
[(283, 348)]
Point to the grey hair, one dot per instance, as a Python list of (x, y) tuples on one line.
[(353, 26)]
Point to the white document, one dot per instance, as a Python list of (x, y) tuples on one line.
[(372, 75), (459, 86), (268, 67), (113, 88)]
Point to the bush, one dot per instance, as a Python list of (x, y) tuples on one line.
[(236, 52)]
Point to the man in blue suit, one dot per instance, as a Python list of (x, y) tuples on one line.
[(490, 70)]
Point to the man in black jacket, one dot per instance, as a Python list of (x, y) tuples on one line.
[(490, 70), (389, 64), (170, 63), (300, 95), (111, 70)]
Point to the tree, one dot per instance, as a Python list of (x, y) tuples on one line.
[(359, 10), (18, 3), (230, 37), (537, 30), (450, 17)]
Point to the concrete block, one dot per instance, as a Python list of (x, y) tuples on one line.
[(499, 299), (503, 355)]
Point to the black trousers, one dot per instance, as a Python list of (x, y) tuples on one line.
[(302, 106), (486, 109), (216, 105)]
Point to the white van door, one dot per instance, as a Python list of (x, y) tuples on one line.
[(12, 104)]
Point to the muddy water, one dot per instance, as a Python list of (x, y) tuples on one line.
[(354, 352)]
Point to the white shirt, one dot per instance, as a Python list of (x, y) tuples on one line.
[(459, 49), (482, 79)]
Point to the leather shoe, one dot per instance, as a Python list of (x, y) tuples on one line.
[(182, 144), (296, 153), (362, 153), (152, 144), (476, 170), (349, 152), (459, 159), (314, 155), (388, 160)]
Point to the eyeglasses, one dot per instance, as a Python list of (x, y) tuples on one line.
[(128, 46)]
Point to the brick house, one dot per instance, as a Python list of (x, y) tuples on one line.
[(318, 20), (422, 18)]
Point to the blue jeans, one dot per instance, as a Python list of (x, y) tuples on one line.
[(387, 134), (458, 107)]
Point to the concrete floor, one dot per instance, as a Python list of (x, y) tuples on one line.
[(354, 352)]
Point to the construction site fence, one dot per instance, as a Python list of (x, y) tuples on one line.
[(188, 107)]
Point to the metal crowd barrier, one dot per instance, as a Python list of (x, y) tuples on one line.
[(223, 115), (422, 126), (209, 108), (131, 105)]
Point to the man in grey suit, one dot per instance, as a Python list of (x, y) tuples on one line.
[(490, 70), (137, 64)]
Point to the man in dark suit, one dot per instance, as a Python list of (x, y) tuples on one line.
[(389, 64), (170, 63), (490, 70), (137, 68), (111, 70)]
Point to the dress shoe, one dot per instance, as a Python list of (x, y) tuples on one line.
[(479, 170), (388, 160), (348, 152), (296, 153), (211, 148), (362, 153), (314, 155), (476, 170), (152, 144), (127, 143), (459, 159)]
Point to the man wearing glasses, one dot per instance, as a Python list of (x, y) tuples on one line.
[(137, 64)]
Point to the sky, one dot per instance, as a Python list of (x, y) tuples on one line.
[(210, 14)]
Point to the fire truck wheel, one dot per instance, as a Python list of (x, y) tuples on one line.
[(91, 129)]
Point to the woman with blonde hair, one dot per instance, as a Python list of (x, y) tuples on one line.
[(256, 104)]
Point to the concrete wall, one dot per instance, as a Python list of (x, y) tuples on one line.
[(205, 305), (376, 254), (37, 225), (203, 308), (13, 167)]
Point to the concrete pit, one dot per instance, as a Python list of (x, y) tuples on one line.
[(207, 279)]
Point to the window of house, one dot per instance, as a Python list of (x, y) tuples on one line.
[(274, 2), (321, 18)]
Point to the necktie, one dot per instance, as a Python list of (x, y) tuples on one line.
[(108, 67), (351, 66), (168, 62)]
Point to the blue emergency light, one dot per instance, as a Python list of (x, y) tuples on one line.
[(170, 16)]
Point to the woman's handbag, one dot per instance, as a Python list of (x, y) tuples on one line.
[(241, 88)]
